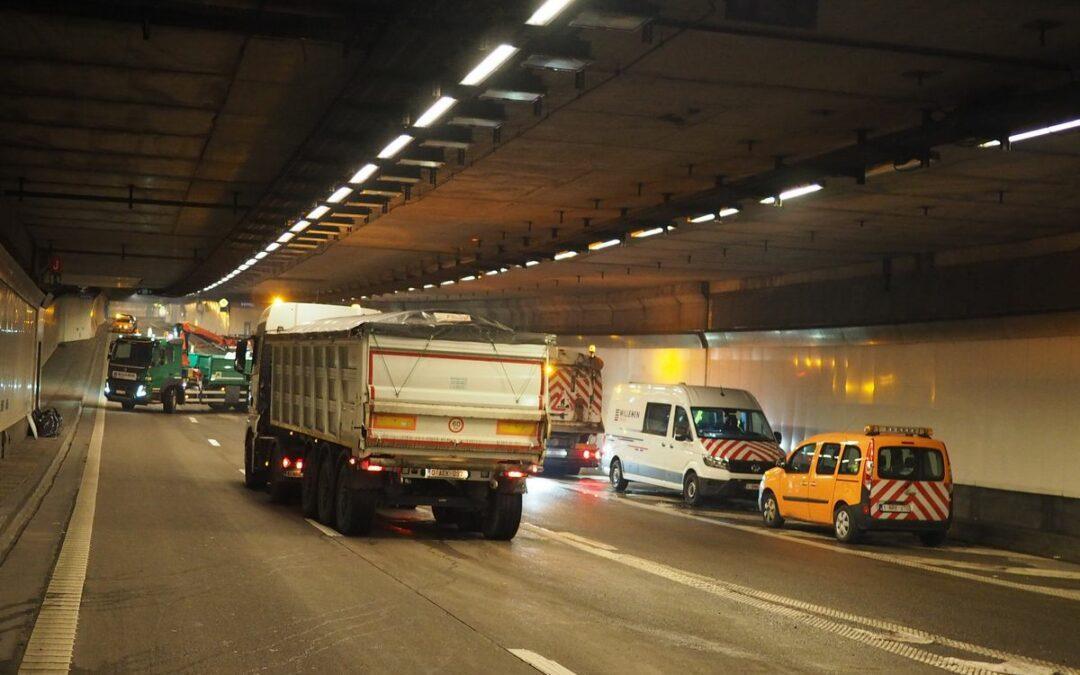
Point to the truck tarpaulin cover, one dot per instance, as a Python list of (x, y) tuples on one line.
[(423, 324)]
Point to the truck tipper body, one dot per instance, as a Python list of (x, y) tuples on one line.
[(576, 397), (399, 409), (212, 357)]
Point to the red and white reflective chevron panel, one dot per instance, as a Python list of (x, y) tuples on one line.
[(559, 390), (752, 451), (925, 500)]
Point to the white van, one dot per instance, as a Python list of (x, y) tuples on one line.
[(705, 441)]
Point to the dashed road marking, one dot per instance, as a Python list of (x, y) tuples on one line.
[(893, 638), (213, 442), (322, 528), (242, 472), (52, 640), (807, 539), (192, 419), (541, 663)]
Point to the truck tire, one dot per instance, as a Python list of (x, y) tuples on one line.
[(127, 405), (324, 490), (502, 518), (444, 515), (168, 400), (309, 484), (355, 509)]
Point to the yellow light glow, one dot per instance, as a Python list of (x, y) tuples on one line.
[(277, 300), (549, 369)]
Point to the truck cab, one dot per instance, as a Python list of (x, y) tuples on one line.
[(143, 370)]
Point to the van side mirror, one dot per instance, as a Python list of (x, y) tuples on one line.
[(777, 436), (781, 463), (240, 363), (682, 435)]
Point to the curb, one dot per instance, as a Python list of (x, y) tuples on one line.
[(13, 528)]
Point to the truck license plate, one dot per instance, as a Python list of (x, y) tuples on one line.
[(750, 486), (123, 375), (895, 508), (446, 473), (556, 453)]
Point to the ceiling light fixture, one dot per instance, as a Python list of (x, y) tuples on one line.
[(601, 245), (491, 273), (339, 194), (532, 263), (489, 64), (299, 226), (395, 146), (793, 193), (272, 247), (426, 286), (471, 277), (563, 255), (318, 212), (285, 237), (547, 12), (1035, 133), (729, 211), (703, 218), (251, 261), (365, 172), (261, 254), (437, 110), (448, 282), (243, 267), (641, 234)]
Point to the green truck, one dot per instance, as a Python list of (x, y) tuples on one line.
[(218, 384), (145, 370)]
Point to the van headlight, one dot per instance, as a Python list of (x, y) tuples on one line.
[(715, 462), (107, 389), (140, 392)]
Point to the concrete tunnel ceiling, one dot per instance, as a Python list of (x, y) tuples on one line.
[(232, 121)]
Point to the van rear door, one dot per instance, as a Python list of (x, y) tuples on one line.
[(910, 483)]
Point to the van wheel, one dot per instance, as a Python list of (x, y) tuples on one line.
[(502, 517), (844, 525), (168, 400), (932, 538), (691, 490), (770, 511), (355, 509), (617, 481), (309, 484), (324, 490)]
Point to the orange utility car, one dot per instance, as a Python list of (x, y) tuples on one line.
[(886, 478)]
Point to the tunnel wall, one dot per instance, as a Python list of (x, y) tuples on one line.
[(239, 320), (19, 301)]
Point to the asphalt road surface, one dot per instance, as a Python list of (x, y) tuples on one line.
[(189, 571)]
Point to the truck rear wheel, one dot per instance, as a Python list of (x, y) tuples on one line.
[(253, 480), (502, 518), (324, 490), (355, 509), (309, 484)]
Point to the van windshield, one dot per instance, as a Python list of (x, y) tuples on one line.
[(731, 423), (132, 353)]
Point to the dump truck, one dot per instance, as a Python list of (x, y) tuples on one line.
[(398, 409), (575, 399)]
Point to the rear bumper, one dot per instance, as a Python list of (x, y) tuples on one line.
[(865, 522)]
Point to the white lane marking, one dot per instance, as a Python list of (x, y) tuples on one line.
[(541, 663), (807, 539), (193, 420), (243, 472), (214, 442), (52, 641), (890, 637), (322, 528)]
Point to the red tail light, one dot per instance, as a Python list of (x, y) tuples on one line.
[(299, 465), (514, 473), (286, 462), (366, 465), (586, 454)]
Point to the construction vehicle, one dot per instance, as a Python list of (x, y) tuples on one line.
[(212, 357), (408, 408), (124, 324), (575, 399), (145, 370)]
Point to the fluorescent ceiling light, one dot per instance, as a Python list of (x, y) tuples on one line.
[(793, 193), (547, 11), (299, 226), (491, 273), (703, 218), (411, 289), (437, 110), (365, 172), (318, 212), (641, 234), (251, 261), (243, 267), (471, 277), (730, 211), (339, 194), (261, 254), (395, 146), (563, 255), (448, 282), (489, 64), (600, 245), (990, 144), (1034, 133), (273, 247), (532, 263), (285, 237), (429, 285)]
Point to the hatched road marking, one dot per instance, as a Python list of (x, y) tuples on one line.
[(214, 442), (886, 636), (806, 539), (541, 663), (52, 641)]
